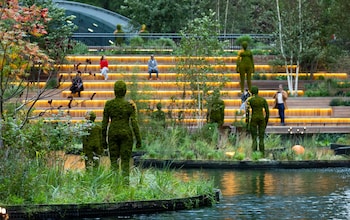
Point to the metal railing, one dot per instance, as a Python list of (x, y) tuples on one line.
[(108, 39)]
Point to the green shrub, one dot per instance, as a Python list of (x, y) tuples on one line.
[(246, 38), (137, 41), (79, 48), (52, 83), (165, 42)]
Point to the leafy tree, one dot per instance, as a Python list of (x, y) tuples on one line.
[(17, 53), (302, 40), (194, 71), (59, 29), (20, 26)]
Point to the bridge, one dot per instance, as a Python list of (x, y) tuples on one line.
[(91, 19)]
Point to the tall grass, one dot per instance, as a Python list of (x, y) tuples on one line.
[(36, 184), (211, 143)]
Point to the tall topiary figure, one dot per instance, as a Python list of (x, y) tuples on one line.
[(119, 33), (258, 120), (92, 142), (245, 66), (121, 117)]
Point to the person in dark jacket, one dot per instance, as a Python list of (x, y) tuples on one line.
[(77, 85)]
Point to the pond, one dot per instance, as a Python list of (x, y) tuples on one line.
[(271, 194)]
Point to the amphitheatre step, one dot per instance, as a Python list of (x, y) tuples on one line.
[(93, 59), (93, 101), (171, 76), (78, 109), (164, 86), (162, 95), (302, 111), (140, 59), (309, 129), (94, 68), (313, 125)]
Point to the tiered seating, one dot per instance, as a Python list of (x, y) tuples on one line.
[(134, 69)]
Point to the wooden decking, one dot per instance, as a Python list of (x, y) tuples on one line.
[(314, 113)]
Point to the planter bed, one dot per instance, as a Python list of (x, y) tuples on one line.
[(206, 164), (120, 209)]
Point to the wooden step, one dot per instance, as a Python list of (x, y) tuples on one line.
[(171, 76), (78, 109), (141, 59), (94, 68)]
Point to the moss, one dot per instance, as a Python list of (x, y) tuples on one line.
[(216, 109), (120, 126), (258, 120), (92, 142)]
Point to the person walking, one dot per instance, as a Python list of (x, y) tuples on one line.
[(280, 98), (104, 67)]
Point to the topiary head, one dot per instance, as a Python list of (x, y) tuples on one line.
[(254, 90), (90, 115), (119, 89), (159, 106), (244, 44)]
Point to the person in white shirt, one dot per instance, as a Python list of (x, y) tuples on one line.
[(152, 67), (281, 102)]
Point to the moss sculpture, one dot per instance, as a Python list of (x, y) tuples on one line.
[(117, 114), (258, 121), (216, 109), (245, 66), (92, 142)]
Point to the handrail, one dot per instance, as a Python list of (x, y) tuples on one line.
[(105, 39)]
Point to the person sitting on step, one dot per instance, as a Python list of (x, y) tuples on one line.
[(152, 67), (77, 85)]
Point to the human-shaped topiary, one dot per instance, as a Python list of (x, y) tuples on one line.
[(159, 115), (245, 66), (143, 31), (119, 124), (259, 118), (92, 142), (119, 33), (216, 109)]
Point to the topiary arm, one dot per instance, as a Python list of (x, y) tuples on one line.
[(135, 126), (252, 62), (238, 61), (105, 122), (267, 112)]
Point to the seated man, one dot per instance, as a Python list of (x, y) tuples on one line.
[(152, 67)]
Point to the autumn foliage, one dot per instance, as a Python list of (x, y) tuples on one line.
[(17, 23)]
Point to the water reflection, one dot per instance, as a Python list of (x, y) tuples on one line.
[(271, 194)]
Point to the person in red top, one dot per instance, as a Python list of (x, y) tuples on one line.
[(104, 67)]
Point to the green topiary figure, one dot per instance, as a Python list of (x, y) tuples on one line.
[(216, 109), (92, 143), (245, 66), (143, 31), (119, 40), (258, 121), (121, 117), (159, 115)]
